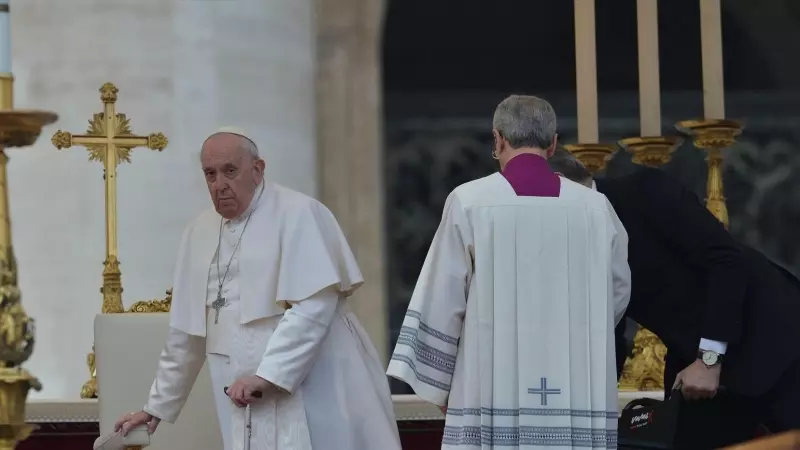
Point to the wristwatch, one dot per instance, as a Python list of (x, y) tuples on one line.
[(709, 358)]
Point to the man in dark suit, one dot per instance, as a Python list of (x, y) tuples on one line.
[(728, 315)]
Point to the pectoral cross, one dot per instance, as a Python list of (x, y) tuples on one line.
[(218, 304)]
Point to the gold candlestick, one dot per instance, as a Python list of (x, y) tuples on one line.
[(713, 135), (593, 156), (109, 140), (644, 370), (654, 151), (18, 128)]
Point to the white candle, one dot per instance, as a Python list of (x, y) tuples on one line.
[(5, 38), (649, 82), (711, 38), (586, 67)]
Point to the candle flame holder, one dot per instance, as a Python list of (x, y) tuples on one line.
[(653, 151), (713, 136), (594, 157), (18, 128)]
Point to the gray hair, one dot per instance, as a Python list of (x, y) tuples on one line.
[(525, 121), (244, 144), (565, 163), (249, 146)]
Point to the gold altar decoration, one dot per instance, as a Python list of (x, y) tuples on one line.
[(153, 306), (18, 128), (644, 369), (713, 136), (593, 156), (109, 140)]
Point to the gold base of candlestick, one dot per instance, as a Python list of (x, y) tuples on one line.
[(593, 156), (654, 151), (18, 128), (713, 135), (14, 386)]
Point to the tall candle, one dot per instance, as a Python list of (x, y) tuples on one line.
[(711, 39), (5, 38), (586, 67), (649, 82)]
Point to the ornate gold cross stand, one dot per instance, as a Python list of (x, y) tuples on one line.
[(18, 128), (109, 140)]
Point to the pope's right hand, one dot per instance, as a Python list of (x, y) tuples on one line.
[(133, 420)]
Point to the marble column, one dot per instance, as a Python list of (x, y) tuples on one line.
[(350, 143), (182, 67)]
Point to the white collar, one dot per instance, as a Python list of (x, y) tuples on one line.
[(594, 185), (253, 204)]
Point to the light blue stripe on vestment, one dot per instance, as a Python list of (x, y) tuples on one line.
[(431, 331), (529, 436), (424, 353), (422, 378), (507, 412)]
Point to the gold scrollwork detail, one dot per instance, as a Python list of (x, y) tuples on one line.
[(89, 389), (644, 370), (153, 306)]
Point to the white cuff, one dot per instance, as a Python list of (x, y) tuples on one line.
[(713, 346)]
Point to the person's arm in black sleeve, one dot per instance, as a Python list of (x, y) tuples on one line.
[(684, 222)]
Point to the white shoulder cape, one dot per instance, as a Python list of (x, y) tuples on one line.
[(292, 248)]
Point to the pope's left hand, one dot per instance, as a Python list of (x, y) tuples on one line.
[(241, 391), (698, 381)]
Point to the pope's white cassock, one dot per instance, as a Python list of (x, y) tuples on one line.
[(511, 323), (286, 320)]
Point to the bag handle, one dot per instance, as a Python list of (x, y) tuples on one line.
[(640, 402), (676, 392)]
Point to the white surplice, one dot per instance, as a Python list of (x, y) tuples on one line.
[(511, 323), (293, 327)]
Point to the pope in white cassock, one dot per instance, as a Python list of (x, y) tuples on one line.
[(510, 328), (260, 292)]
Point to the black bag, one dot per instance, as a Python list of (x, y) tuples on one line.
[(646, 423)]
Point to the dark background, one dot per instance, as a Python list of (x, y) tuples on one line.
[(447, 64)]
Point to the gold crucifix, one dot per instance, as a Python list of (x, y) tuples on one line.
[(109, 140)]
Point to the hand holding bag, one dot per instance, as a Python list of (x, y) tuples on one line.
[(647, 423)]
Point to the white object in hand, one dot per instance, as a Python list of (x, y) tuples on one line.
[(137, 437)]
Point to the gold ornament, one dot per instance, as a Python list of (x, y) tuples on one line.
[(713, 136), (109, 140), (18, 128), (593, 156)]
